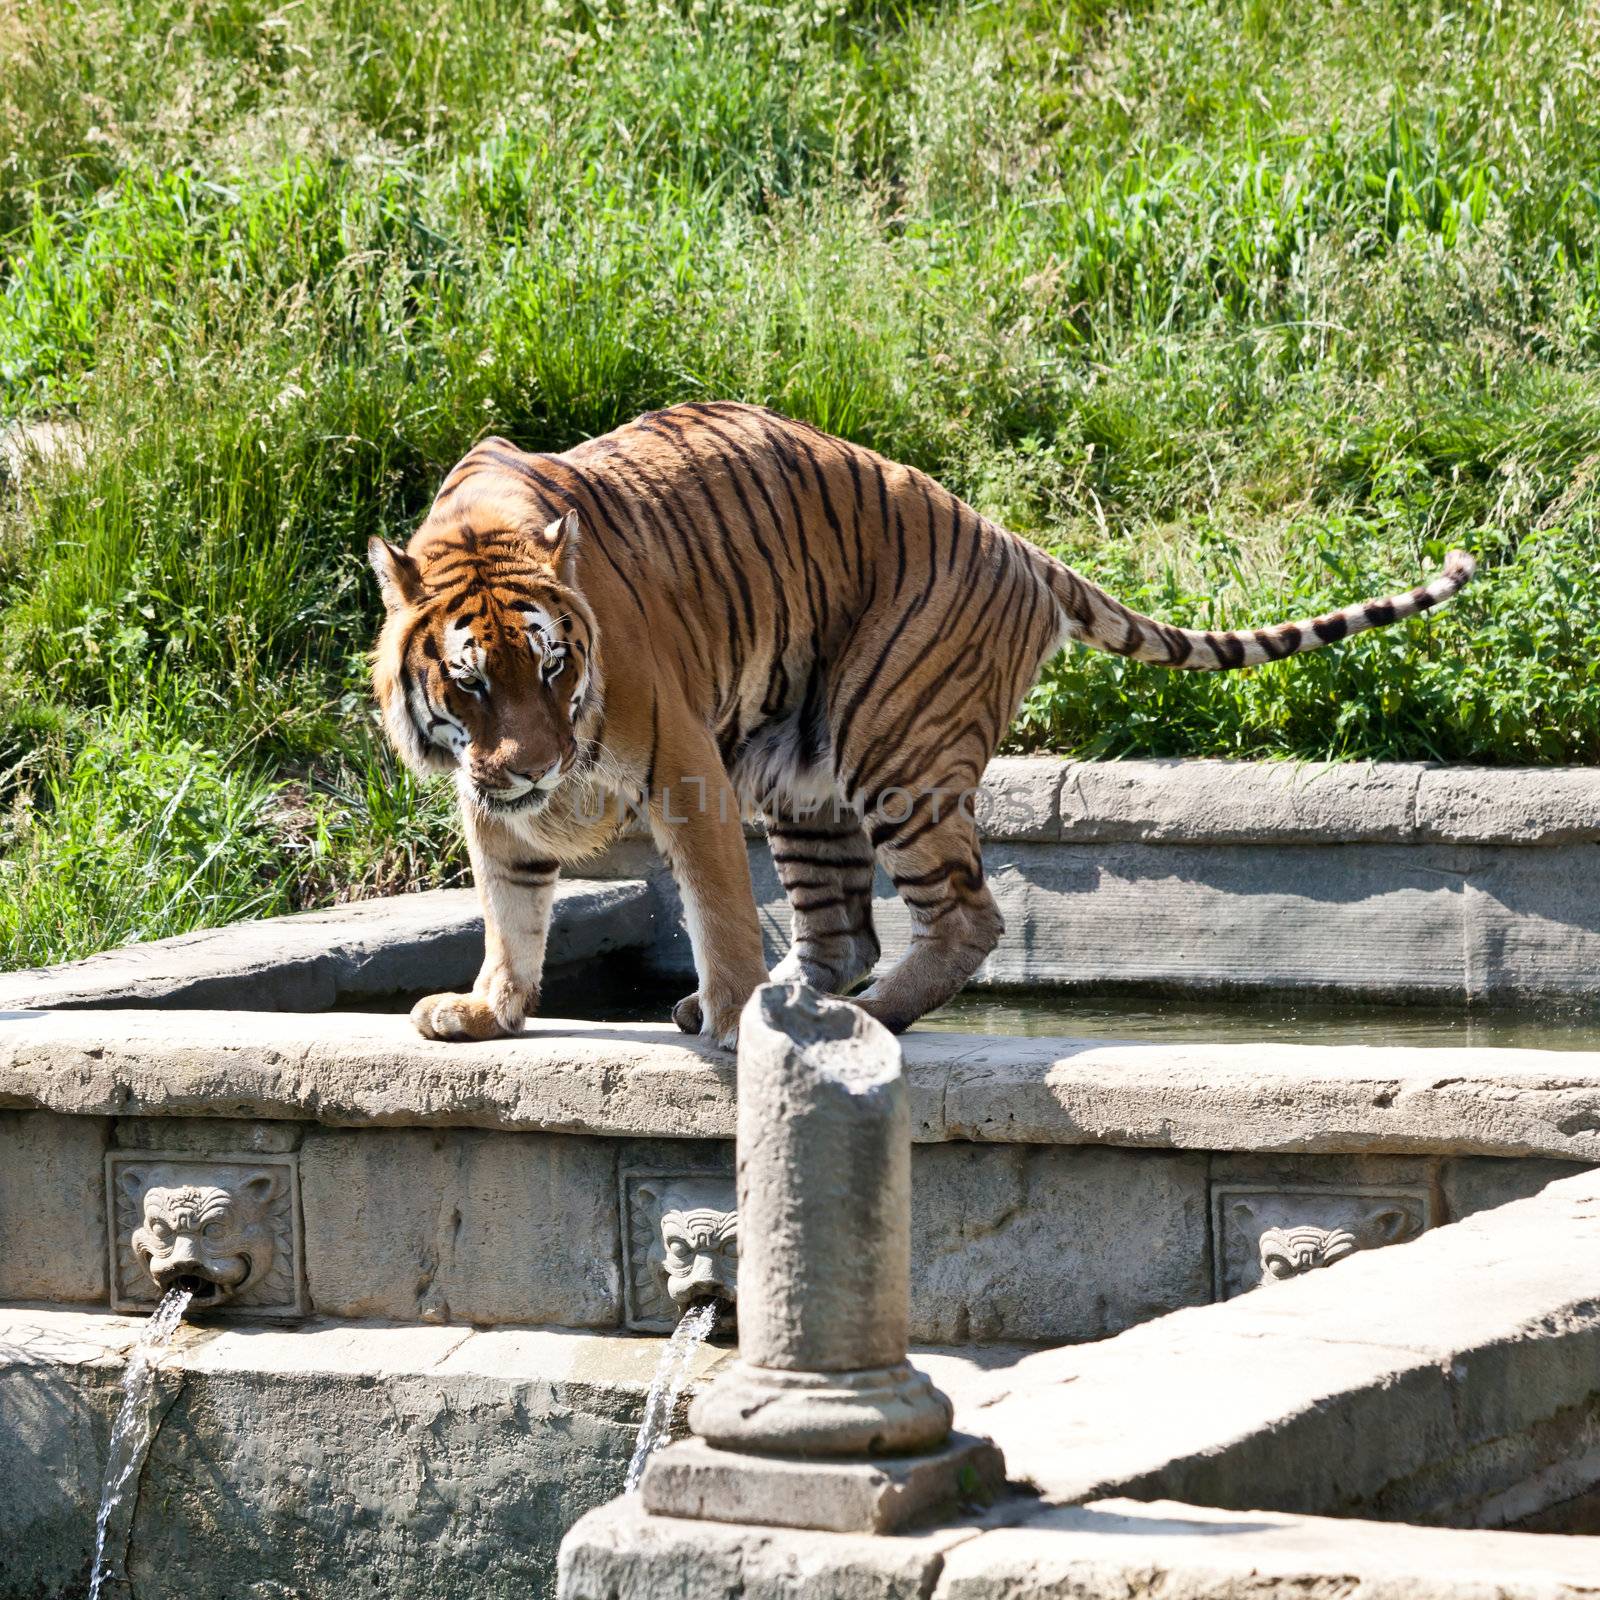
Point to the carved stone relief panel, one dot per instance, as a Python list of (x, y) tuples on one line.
[(1263, 1234), (680, 1244), (227, 1229)]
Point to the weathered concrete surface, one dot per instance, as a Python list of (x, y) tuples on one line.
[(1116, 1548), (1509, 806), (880, 1494), (52, 1207), (1008, 1242), (1455, 1379), (1280, 802), (400, 1461), (1105, 1551), (308, 962), (1379, 920), (621, 1552), (1272, 1097), (1021, 1243), (824, 1185), (1402, 881), (1235, 802), (640, 1080), (461, 1226), (1044, 799), (1384, 880)]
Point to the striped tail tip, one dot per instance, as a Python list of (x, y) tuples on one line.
[(1459, 567)]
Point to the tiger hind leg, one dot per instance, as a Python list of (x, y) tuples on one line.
[(825, 864), (936, 866)]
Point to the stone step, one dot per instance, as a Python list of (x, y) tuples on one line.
[(1109, 1550), (1455, 1379)]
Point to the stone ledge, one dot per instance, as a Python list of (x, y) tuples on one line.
[(315, 959), (1269, 802), (620, 1552), (1116, 1548), (1436, 1380), (1105, 1551), (346, 1069), (1049, 800)]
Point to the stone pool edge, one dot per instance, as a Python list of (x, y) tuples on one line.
[(1366, 880), (639, 1080)]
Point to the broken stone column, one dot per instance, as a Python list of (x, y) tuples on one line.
[(822, 1422)]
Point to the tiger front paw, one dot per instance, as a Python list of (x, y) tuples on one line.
[(719, 1024), (459, 1017)]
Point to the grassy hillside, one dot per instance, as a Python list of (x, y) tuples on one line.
[(1246, 309)]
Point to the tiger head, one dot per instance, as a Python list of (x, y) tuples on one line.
[(487, 662)]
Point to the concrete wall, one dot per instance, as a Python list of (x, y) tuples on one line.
[(1012, 1242), (404, 1462), (1391, 881), (1380, 881)]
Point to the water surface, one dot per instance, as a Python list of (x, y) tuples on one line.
[(1176, 1019)]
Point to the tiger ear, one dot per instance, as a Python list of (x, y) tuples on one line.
[(399, 577), (560, 541)]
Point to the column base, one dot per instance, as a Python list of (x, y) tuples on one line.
[(695, 1480), (879, 1411)]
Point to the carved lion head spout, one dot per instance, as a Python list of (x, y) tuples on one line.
[(700, 1255), (212, 1241), (1288, 1252)]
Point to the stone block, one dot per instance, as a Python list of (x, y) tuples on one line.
[(1238, 802), (1443, 1361), (688, 1206), (621, 1552), (1116, 1548), (1509, 805), (1374, 918), (315, 1461), (1266, 1233), (1480, 1183), (883, 1495), (1377, 919), (206, 1135), (52, 1207), (230, 1229), (1531, 926), (1013, 1243), (650, 1082), (1018, 799), (1355, 1100), (461, 1226)]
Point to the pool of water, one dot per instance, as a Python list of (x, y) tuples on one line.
[(1041, 1012), (1288, 1020)]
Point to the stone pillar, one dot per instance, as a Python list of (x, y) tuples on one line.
[(796, 1432)]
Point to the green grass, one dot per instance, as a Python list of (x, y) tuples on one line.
[(1247, 310)]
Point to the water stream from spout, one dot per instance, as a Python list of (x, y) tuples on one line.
[(130, 1437), (672, 1373)]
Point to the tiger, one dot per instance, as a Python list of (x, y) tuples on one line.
[(716, 613)]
